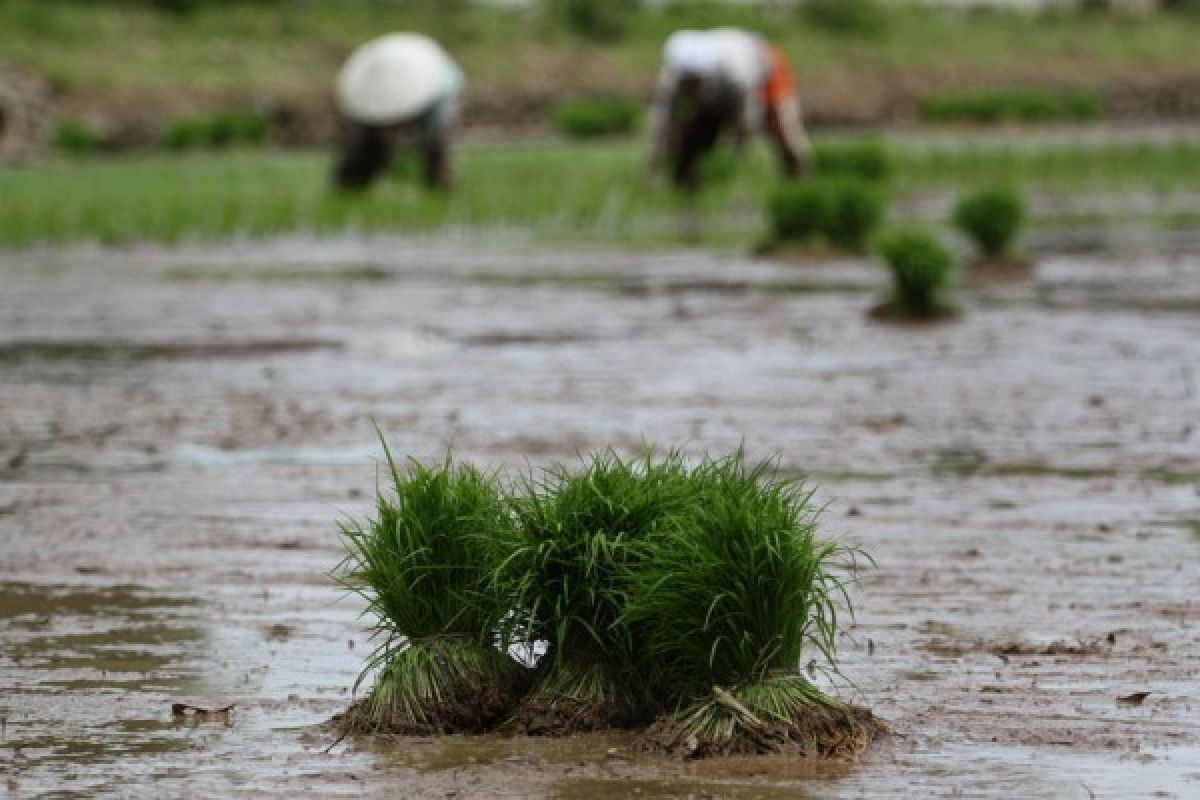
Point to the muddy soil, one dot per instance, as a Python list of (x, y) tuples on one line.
[(181, 429)]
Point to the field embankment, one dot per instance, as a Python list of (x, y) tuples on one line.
[(281, 58)]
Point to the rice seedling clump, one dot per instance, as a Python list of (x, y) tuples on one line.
[(922, 271), (593, 117), (730, 602), (845, 210), (992, 218), (652, 591), (581, 535), (424, 566), (869, 160)]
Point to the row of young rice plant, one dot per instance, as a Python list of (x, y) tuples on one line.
[(650, 591), (589, 192)]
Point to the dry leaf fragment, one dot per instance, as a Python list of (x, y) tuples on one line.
[(198, 714)]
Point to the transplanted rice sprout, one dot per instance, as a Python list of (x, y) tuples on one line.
[(729, 601), (424, 565), (580, 538), (843, 209), (992, 218), (922, 273)]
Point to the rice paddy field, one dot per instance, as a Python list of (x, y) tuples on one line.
[(562, 485), (195, 353), (585, 193)]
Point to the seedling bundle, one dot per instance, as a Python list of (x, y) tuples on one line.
[(651, 591)]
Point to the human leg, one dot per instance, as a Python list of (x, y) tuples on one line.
[(786, 133), (366, 151), (697, 137), (436, 142)]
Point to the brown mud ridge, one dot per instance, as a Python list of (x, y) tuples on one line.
[(1027, 479), (307, 118), (34, 350)]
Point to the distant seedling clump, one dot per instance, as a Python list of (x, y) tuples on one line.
[(656, 592), (597, 20), (214, 131), (76, 138), (842, 211), (992, 218), (867, 159), (922, 272), (595, 117), (1014, 105), (847, 17)]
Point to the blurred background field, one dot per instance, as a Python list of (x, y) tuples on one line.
[(170, 120), (128, 68)]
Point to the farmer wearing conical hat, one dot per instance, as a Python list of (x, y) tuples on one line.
[(401, 87), (718, 81)]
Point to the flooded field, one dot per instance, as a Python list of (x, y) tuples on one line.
[(180, 431)]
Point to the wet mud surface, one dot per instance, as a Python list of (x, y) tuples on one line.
[(181, 429)]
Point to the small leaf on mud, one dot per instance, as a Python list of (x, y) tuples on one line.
[(1134, 699), (197, 714), (278, 632)]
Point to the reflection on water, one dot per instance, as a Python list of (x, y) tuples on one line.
[(598, 766), (88, 672)]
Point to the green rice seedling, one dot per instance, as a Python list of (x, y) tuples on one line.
[(845, 210), (1015, 105), (222, 129), (580, 537), (991, 218), (859, 17), (185, 133), (75, 138), (599, 20), (424, 565), (798, 210), (582, 192), (868, 159), (731, 601), (856, 210), (237, 127), (922, 270), (718, 168), (591, 117)]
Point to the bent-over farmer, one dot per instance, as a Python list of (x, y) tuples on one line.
[(398, 88), (717, 81)]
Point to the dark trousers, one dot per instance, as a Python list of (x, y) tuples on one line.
[(367, 150), (696, 136)]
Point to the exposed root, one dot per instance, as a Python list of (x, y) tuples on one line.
[(439, 689), (815, 731), (573, 700), (459, 716), (892, 313)]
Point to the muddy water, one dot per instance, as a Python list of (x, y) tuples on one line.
[(181, 429)]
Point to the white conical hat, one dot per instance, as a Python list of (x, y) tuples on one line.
[(392, 78)]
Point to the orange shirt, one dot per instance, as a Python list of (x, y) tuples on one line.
[(780, 83)]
